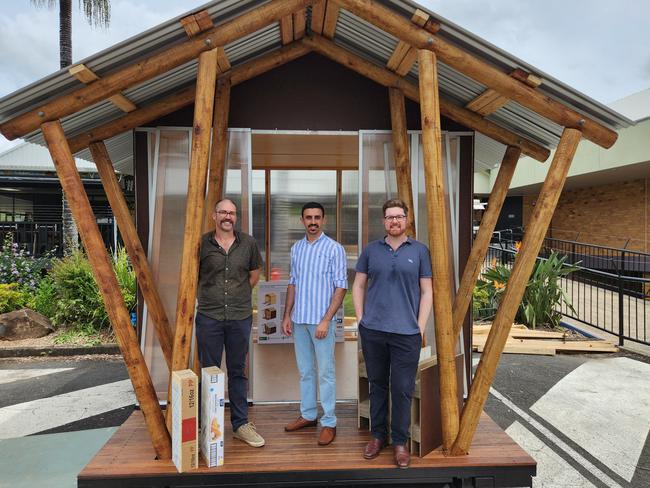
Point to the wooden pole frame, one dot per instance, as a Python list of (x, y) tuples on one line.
[(524, 262), (161, 62), (219, 150), (134, 248), (483, 237), (194, 214), (439, 245), (402, 28), (459, 114), (401, 154), (108, 286)]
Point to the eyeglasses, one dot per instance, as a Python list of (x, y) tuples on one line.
[(225, 213), (389, 218)]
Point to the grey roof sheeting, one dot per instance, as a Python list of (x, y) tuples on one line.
[(352, 32)]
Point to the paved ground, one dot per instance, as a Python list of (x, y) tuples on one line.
[(585, 419)]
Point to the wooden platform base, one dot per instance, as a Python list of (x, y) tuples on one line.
[(127, 459)]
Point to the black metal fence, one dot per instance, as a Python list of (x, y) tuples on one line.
[(610, 291), (39, 238)]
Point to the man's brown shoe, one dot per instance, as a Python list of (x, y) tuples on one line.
[(373, 448), (327, 435), (402, 456), (299, 423)]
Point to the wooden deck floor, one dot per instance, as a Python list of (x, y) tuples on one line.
[(127, 459)]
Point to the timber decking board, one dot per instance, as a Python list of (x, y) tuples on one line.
[(129, 453)]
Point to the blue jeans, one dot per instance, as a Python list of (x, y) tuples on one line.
[(211, 337), (310, 353)]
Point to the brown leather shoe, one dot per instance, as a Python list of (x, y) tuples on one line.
[(373, 448), (299, 423), (327, 435), (402, 456)]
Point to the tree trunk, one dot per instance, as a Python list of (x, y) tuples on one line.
[(68, 228), (65, 33)]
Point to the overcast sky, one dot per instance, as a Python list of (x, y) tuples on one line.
[(599, 47)]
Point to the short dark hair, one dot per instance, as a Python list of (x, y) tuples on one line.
[(312, 205), (224, 200), (394, 202)]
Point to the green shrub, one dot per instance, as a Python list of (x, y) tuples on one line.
[(543, 293), (18, 266), (12, 297), (482, 305), (44, 298)]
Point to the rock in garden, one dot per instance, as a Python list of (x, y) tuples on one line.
[(24, 324)]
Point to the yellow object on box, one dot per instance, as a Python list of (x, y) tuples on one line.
[(185, 442), (212, 415)]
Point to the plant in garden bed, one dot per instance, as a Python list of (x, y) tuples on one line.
[(543, 293), (12, 297), (19, 266)]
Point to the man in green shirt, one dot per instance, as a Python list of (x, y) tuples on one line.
[(230, 266)]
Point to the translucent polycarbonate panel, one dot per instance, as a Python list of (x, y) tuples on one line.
[(238, 175), (259, 213), (290, 190), (167, 197), (378, 182)]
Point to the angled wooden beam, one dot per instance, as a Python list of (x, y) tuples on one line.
[(189, 270), (196, 23), (286, 29), (185, 97), (318, 16), (483, 237), (158, 63), (108, 286), (218, 151), (389, 21), (134, 248), (222, 60), (454, 112), (299, 24), (404, 55), (87, 76), (437, 210), (401, 153), (331, 18), (524, 262), (490, 100)]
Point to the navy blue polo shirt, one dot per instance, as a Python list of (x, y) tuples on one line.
[(393, 297)]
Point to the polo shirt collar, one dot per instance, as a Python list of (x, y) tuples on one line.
[(214, 240), (408, 240)]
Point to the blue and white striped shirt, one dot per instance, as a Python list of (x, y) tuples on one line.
[(316, 270)]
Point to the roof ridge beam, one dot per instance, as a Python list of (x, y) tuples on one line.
[(154, 65), (393, 23), (459, 114)]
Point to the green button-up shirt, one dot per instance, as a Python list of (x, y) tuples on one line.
[(224, 289)]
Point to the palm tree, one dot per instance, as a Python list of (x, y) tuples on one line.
[(98, 14)]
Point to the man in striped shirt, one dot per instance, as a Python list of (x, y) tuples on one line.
[(317, 285)]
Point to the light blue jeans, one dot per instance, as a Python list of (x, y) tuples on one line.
[(315, 359)]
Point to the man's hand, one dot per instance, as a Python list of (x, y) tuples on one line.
[(287, 327), (322, 329)]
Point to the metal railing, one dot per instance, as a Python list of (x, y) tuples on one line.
[(610, 290), (40, 237)]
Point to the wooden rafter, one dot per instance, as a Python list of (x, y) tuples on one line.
[(196, 23), (185, 97), (389, 79), (286, 29), (318, 16), (299, 24), (87, 76), (479, 70), (483, 237), (402, 59), (108, 286), (134, 248), (189, 269), (490, 100), (437, 211), (158, 63), (524, 262), (331, 18)]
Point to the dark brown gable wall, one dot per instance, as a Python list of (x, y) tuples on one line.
[(311, 93)]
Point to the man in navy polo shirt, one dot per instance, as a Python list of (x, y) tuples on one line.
[(393, 314)]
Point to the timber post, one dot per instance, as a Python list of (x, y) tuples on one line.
[(134, 248), (439, 245), (108, 286), (483, 237), (524, 262)]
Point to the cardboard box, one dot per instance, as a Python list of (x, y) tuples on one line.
[(185, 442), (269, 313), (212, 415)]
